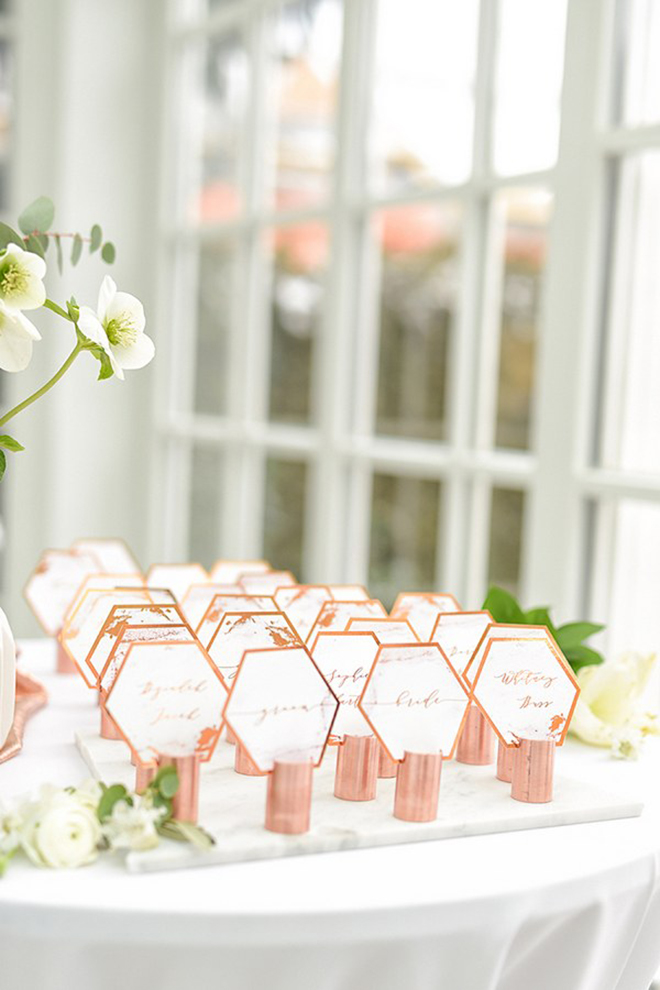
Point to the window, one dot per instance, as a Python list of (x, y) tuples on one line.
[(6, 122), (394, 359)]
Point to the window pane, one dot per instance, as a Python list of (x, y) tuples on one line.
[(300, 256), (528, 78), (423, 93), (213, 101), (6, 111), (631, 394), (303, 89), (205, 498), (637, 96), (404, 536), (418, 296), (522, 217), (506, 530), (286, 493), (218, 273)]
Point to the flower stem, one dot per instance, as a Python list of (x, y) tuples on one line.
[(54, 308), (44, 388)]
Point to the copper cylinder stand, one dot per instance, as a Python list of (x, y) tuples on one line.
[(63, 662), (533, 771), (108, 728), (505, 758), (185, 802), (418, 787), (144, 774), (289, 798), (243, 764), (387, 767), (231, 737), (356, 776), (477, 743)]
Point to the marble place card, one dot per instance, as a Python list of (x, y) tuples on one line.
[(198, 597), (102, 581), (113, 554), (176, 577), (459, 634), (385, 630), (267, 583), (335, 616), (140, 634), (280, 707), (502, 630), (83, 626), (241, 631), (525, 689), (301, 603), (229, 571), (414, 700), (230, 603), (349, 592), (55, 583), (167, 698), (422, 609), (345, 659), (138, 615)]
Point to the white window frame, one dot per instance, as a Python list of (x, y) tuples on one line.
[(558, 477)]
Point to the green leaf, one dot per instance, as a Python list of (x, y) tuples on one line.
[(33, 244), (573, 633), (106, 368), (187, 832), (583, 656), (3, 464), (76, 250), (108, 252), (58, 248), (9, 236), (10, 444), (503, 606), (44, 240), (540, 616), (109, 799), (73, 309), (95, 238), (166, 782), (37, 216)]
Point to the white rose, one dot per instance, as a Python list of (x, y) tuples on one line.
[(61, 832), (89, 793), (132, 826)]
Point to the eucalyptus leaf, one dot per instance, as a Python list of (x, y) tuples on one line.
[(58, 249), (108, 252), (44, 240), (503, 606), (95, 238), (109, 799), (10, 444), (76, 250), (167, 782), (33, 244), (37, 216), (9, 236)]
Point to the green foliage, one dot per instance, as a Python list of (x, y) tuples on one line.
[(95, 238), (8, 236), (38, 216), (186, 832), (10, 444), (108, 252), (76, 249), (109, 798), (33, 244), (3, 464), (58, 248), (569, 638)]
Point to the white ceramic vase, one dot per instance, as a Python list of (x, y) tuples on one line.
[(7, 677)]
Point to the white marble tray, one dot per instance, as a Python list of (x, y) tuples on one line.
[(472, 802)]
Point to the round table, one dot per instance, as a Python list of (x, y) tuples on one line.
[(576, 907)]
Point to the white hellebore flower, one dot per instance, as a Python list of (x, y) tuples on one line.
[(21, 278), (118, 327), (610, 710), (132, 826), (61, 831), (16, 336)]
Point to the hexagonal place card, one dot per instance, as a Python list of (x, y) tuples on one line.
[(118, 616), (345, 659), (501, 630), (229, 571), (335, 616), (385, 630), (198, 597), (266, 583), (86, 621), (241, 631), (176, 577), (422, 609), (230, 603), (349, 592), (140, 634), (301, 603), (102, 581), (167, 698), (280, 707), (525, 689), (414, 700), (459, 633), (55, 582), (113, 554)]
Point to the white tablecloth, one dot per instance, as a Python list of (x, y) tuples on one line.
[(572, 908)]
